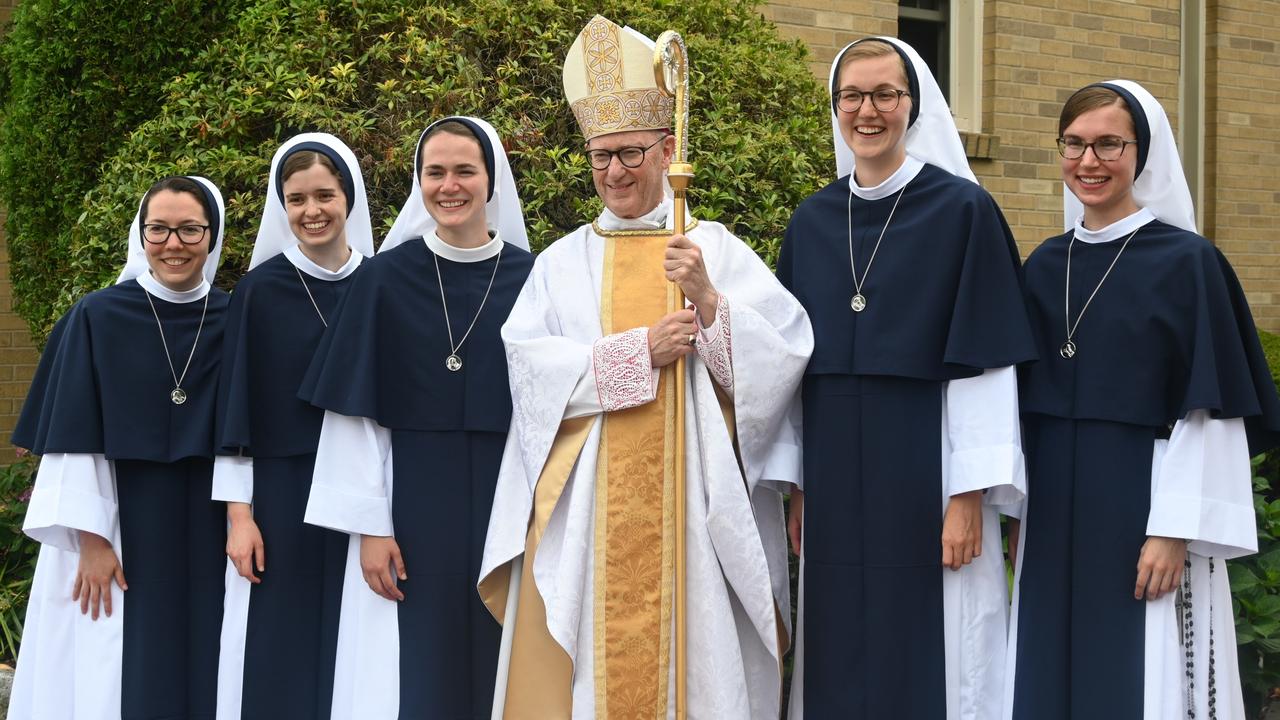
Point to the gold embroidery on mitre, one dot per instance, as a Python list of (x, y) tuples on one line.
[(602, 53), (609, 83)]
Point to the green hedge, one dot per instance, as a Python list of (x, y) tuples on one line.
[(1255, 580), (75, 79), (17, 554), (375, 72)]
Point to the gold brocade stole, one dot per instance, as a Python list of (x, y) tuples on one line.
[(634, 528), (634, 541)]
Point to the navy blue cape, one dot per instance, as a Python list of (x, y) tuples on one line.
[(943, 295), (1169, 332), (272, 334), (383, 357), (103, 382)]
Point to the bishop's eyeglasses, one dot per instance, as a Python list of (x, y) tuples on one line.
[(1105, 148), (885, 99), (630, 157), (158, 234)]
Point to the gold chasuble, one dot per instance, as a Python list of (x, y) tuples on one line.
[(634, 528)]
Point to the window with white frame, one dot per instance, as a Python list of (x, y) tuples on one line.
[(948, 36)]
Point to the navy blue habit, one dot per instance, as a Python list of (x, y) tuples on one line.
[(103, 387), (292, 633), (1167, 333), (943, 303), (384, 359)]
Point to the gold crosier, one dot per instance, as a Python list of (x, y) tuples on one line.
[(671, 70)]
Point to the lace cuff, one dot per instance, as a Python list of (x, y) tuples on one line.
[(624, 371), (715, 345)]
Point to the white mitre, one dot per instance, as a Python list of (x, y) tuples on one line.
[(610, 83)]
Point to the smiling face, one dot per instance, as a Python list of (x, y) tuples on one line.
[(175, 264), (455, 188), (1104, 188), (632, 192), (876, 138), (316, 206)]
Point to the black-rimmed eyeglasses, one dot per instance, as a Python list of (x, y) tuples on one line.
[(1105, 149), (158, 234), (630, 157), (885, 99)]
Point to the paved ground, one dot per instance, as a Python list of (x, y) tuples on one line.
[(6, 684)]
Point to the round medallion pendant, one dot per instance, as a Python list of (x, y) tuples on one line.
[(858, 303), (453, 362), (178, 396), (1068, 350)]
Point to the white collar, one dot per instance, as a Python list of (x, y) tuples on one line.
[(160, 290), (1117, 229), (653, 220), (905, 173), (463, 255), (309, 266)]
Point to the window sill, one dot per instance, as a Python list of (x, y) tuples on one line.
[(980, 146)]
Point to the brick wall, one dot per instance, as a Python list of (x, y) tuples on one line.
[(18, 355), (1037, 52), (1242, 115), (828, 25)]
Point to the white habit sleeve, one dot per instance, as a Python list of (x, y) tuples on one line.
[(233, 478), (986, 439), (349, 487), (73, 492), (1202, 488)]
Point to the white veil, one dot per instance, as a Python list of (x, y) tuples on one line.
[(503, 210), (136, 264)]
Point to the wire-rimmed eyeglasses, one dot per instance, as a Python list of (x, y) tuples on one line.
[(885, 99), (1106, 148)]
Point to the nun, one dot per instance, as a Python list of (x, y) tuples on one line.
[(126, 602), (413, 381), (1150, 395), (280, 627), (910, 428)]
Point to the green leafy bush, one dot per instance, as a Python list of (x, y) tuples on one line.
[(375, 72), (1271, 347), (17, 554), (75, 79), (1255, 590), (1255, 580)]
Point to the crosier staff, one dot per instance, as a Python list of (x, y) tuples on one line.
[(671, 70)]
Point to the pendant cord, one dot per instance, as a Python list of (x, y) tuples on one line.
[(311, 297), (453, 349), (857, 284), (177, 379), (1066, 302)]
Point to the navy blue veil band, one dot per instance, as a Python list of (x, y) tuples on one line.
[(344, 172), (482, 137), (913, 81), (1140, 124)]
